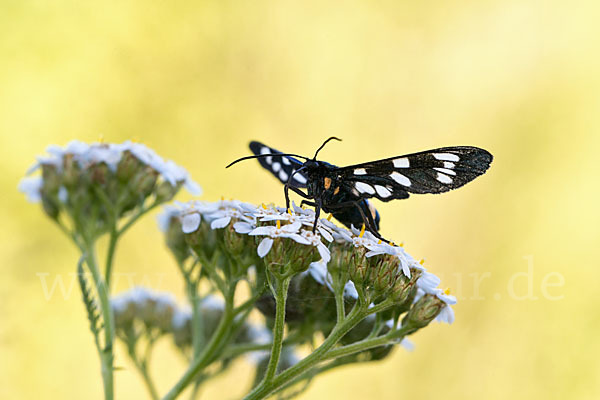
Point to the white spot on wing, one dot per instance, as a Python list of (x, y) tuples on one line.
[(401, 179), (448, 164), (444, 178), (360, 171), (445, 171), (446, 156), (266, 150), (285, 161), (382, 191), (401, 162), (300, 178), (364, 187), (276, 167), (283, 176)]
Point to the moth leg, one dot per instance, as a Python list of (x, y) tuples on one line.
[(299, 192), (308, 203), (368, 221), (317, 212), (370, 224), (373, 225)]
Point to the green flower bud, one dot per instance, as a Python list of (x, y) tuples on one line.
[(128, 166), (176, 242), (71, 172), (165, 191), (358, 266), (405, 288), (423, 312)]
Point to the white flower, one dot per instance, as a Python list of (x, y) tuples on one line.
[(428, 282), (181, 318), (396, 251), (315, 240), (446, 315), (163, 219), (221, 218), (31, 187), (111, 154), (289, 231)]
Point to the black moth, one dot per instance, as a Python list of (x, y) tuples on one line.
[(344, 191)]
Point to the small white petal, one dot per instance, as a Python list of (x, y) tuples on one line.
[(350, 290), (220, 223), (192, 187), (190, 223), (31, 187), (324, 252), (264, 247), (407, 344), (242, 227), (446, 315), (326, 235), (63, 195), (428, 282), (261, 231)]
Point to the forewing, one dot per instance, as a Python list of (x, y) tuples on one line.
[(432, 171), (280, 166)]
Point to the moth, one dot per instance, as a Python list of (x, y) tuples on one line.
[(344, 191)]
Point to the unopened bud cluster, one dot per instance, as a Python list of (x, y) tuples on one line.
[(97, 183), (141, 311)]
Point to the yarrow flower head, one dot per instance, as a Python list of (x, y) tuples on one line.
[(362, 264), (95, 184)]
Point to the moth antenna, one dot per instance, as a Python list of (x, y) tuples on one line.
[(265, 155), (323, 145)]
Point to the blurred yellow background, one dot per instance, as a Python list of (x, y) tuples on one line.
[(197, 81)]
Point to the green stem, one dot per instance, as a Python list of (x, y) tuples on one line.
[(107, 353), (366, 344), (133, 219), (339, 303), (208, 352), (197, 322), (148, 381), (112, 245), (280, 294), (351, 320)]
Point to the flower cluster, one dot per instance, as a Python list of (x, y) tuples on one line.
[(367, 265), (141, 311), (101, 182)]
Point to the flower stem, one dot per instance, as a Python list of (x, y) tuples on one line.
[(112, 245), (366, 344), (212, 346), (280, 294), (106, 354), (265, 388)]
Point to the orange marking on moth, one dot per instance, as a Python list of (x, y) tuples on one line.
[(337, 190), (327, 183)]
